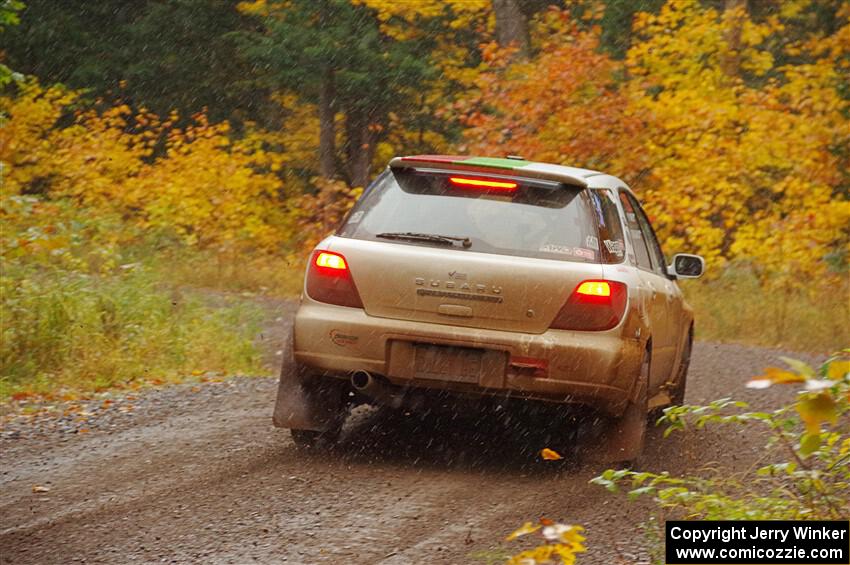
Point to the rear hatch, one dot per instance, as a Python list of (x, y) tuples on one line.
[(475, 250)]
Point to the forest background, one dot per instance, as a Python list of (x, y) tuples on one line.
[(165, 165)]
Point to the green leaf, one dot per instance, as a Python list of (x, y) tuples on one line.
[(799, 366), (634, 493), (809, 443)]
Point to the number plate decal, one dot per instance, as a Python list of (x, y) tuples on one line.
[(445, 363)]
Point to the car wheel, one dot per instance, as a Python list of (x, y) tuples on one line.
[(677, 393), (640, 408), (305, 439)]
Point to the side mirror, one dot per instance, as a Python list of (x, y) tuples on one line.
[(686, 266)]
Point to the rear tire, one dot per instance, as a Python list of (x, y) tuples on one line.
[(641, 409), (307, 439), (677, 393)]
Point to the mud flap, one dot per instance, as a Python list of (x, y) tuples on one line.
[(306, 401), (622, 439)]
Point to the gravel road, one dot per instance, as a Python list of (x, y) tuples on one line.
[(196, 473)]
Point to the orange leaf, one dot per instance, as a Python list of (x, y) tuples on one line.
[(774, 375)]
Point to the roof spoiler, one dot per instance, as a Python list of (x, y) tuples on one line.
[(543, 171)]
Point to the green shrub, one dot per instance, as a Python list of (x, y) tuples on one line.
[(79, 331), (809, 444), (81, 309)]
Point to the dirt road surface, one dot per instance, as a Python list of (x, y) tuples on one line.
[(196, 473)]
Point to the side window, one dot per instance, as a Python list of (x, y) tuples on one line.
[(658, 262), (635, 234), (611, 240)]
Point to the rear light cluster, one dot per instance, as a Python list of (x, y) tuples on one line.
[(593, 306), (329, 280)]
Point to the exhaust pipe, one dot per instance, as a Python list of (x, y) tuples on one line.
[(364, 383)]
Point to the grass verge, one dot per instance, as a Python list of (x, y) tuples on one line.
[(65, 331), (736, 308), (274, 275)]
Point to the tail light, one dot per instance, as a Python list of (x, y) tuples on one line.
[(329, 280), (484, 184), (593, 306)]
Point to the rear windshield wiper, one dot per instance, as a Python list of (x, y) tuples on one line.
[(430, 238)]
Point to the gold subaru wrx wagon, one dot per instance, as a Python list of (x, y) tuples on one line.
[(492, 277)]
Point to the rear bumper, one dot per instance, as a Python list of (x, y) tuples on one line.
[(591, 368)]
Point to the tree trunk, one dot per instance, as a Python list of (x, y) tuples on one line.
[(360, 148), (327, 128), (511, 25), (735, 11)]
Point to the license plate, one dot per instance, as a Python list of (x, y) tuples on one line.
[(446, 363)]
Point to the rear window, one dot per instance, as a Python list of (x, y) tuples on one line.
[(532, 219)]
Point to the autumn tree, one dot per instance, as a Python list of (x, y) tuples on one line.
[(455, 30), (746, 164), (334, 53), (201, 188), (8, 17), (162, 55), (511, 26), (564, 106)]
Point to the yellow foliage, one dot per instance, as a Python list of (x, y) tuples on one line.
[(398, 19), (739, 171), (317, 215), (25, 140), (816, 409), (208, 191), (525, 529), (561, 541), (202, 186)]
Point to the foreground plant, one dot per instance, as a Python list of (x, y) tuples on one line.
[(560, 541), (809, 439)]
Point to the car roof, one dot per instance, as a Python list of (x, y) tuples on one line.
[(513, 165)]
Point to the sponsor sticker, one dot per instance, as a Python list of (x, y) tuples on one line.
[(584, 253), (342, 339), (555, 248), (615, 247)]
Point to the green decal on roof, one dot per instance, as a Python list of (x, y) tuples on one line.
[(494, 162)]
